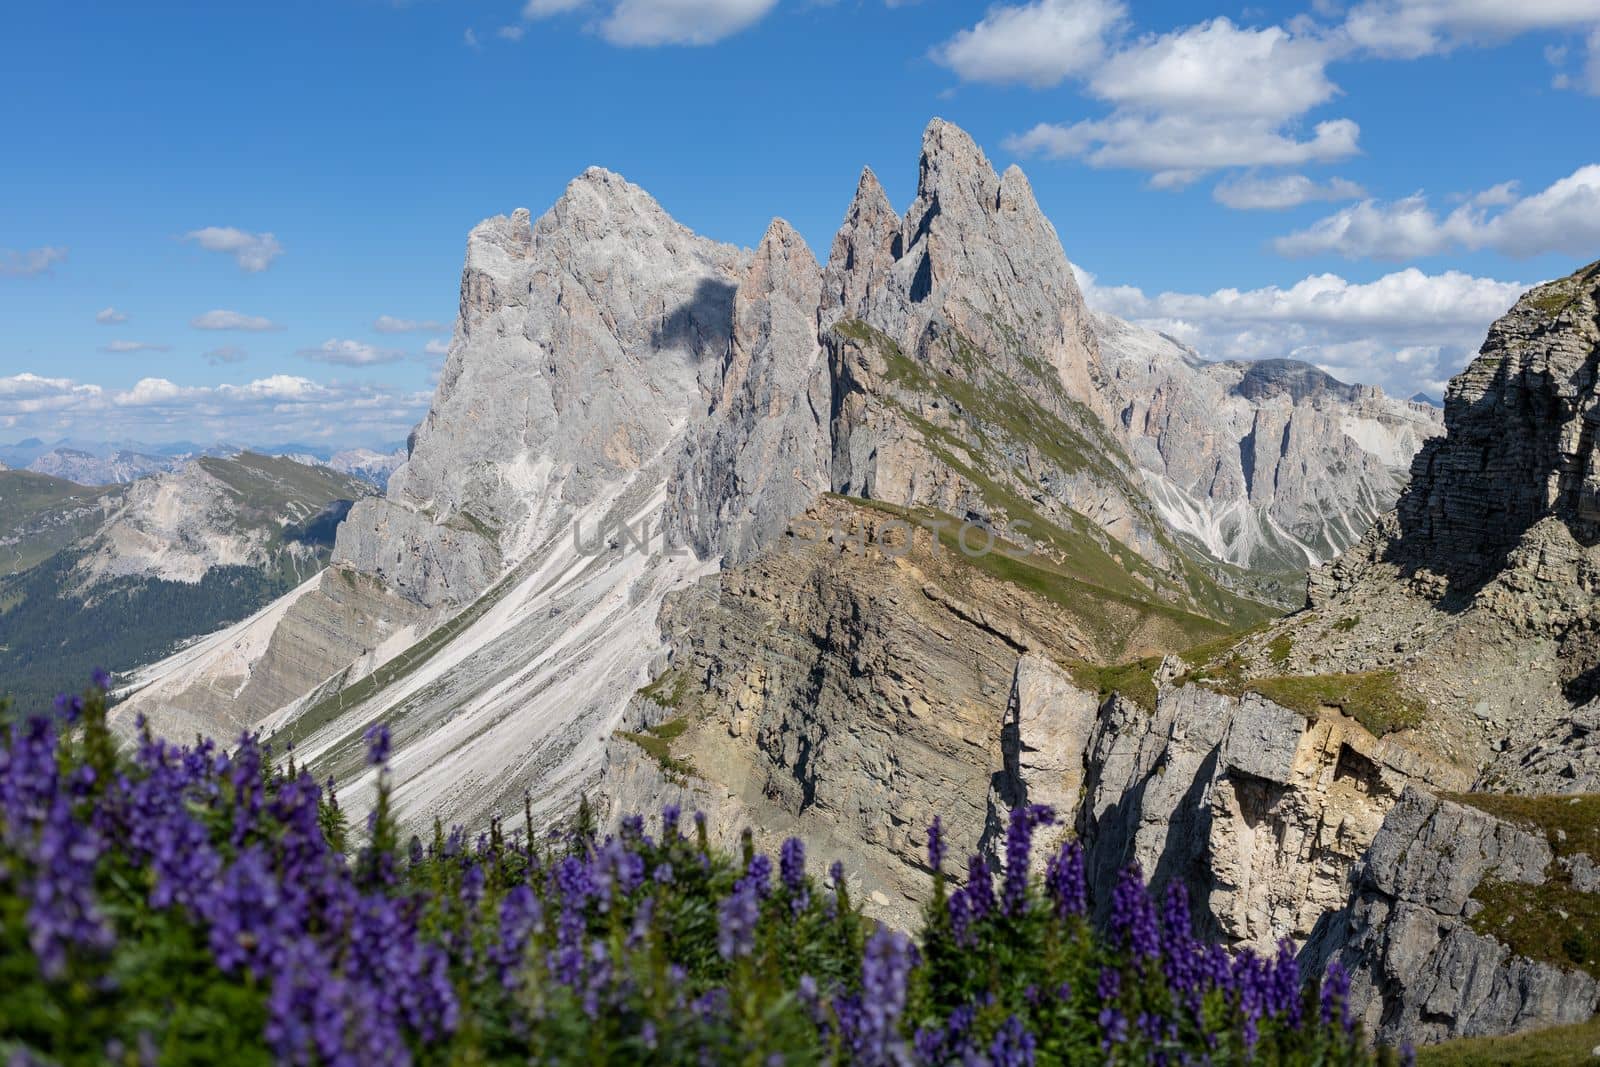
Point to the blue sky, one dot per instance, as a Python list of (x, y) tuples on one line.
[(1364, 186)]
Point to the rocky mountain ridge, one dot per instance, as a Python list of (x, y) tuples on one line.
[(1273, 465)]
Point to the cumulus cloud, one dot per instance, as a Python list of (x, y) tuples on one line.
[(134, 346), (1181, 148), (348, 353), (437, 348), (221, 319), (109, 317), (254, 252), (1565, 217), (1407, 331), (642, 23), (1216, 68), (279, 407), (1205, 97), (1038, 44), (391, 324), (30, 262), (1407, 29), (225, 354), (1254, 192)]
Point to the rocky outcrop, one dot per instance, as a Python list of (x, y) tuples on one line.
[(1564, 758), (1258, 810), (1044, 737), (1273, 465), (1419, 970), (850, 684), (1520, 443)]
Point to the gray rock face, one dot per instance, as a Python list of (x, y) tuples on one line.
[(1273, 464), (973, 254), (1260, 812), (1520, 442), (1418, 970), (578, 356), (1049, 720), (1563, 758), (1480, 590), (761, 454), (966, 377)]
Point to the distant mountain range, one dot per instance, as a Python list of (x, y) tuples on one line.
[(117, 575), (114, 463)]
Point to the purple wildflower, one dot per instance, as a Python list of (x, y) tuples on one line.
[(1019, 846)]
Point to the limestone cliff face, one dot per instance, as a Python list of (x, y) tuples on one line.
[(1520, 444), (1273, 464), (577, 358), (967, 377), (974, 255), (760, 454), (1420, 971), (1260, 811), (847, 686)]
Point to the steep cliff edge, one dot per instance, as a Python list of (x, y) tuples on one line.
[(1466, 922)]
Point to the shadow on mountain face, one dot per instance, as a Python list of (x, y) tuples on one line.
[(702, 324), (319, 530)]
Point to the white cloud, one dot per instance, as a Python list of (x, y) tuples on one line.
[(1406, 29), (254, 252), (1219, 69), (538, 9), (226, 354), (690, 22), (109, 317), (1588, 80), (30, 262), (510, 33), (1208, 96), (1562, 218), (437, 347), (351, 353), (134, 346), (390, 324), (232, 320), (471, 38), (275, 408), (1179, 148), (1253, 192), (1407, 331), (1038, 44)]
